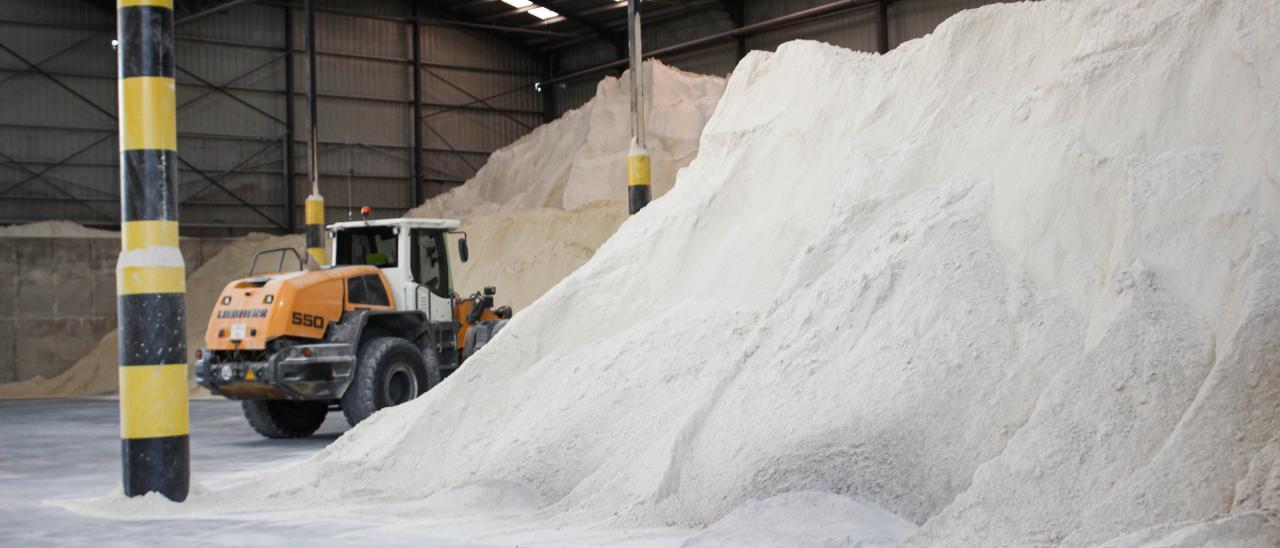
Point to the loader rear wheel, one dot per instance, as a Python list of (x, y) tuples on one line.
[(278, 419), (389, 371)]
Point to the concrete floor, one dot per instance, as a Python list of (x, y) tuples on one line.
[(51, 449), (69, 449)]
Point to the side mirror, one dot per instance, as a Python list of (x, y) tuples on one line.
[(463, 252)]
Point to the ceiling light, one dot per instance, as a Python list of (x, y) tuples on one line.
[(518, 3), (542, 13)]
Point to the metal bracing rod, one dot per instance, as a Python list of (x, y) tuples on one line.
[(233, 195), (100, 140), (233, 97), (232, 88), (482, 101), (27, 166), (234, 169), (56, 187), (58, 82), (113, 117), (228, 83), (451, 149), (452, 108), (55, 55)]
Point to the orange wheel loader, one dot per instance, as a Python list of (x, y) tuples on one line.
[(376, 328)]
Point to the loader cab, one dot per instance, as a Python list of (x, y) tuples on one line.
[(413, 255)]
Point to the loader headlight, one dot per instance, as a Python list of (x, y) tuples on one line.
[(269, 299), (226, 373), (226, 300)]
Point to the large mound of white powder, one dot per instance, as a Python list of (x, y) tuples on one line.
[(581, 158), (1014, 283)]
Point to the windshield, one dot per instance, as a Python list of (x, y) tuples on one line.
[(371, 245)]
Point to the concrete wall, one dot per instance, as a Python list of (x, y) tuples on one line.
[(58, 299)]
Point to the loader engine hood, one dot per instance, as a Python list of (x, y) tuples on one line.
[(251, 312)]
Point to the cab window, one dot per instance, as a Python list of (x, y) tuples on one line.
[(367, 289), (429, 264), (370, 245)]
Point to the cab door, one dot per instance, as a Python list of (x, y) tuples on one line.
[(430, 285)]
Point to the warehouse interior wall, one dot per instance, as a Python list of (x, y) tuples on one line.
[(58, 150), (479, 92)]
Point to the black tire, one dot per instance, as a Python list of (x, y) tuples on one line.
[(279, 419), (389, 371)]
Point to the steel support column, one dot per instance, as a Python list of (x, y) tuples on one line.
[(314, 209), (290, 176), (150, 276), (549, 91), (415, 189), (882, 26)]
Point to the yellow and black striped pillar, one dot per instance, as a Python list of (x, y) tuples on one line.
[(150, 274), (315, 227), (638, 193)]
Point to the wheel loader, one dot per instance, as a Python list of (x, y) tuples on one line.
[(376, 328)]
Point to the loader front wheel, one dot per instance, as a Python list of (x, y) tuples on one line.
[(389, 371), (279, 419)]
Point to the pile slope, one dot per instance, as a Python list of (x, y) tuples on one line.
[(97, 372), (1020, 292)]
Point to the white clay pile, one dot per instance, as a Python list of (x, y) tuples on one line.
[(97, 372), (1014, 282), (540, 206)]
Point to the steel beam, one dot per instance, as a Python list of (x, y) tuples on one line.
[(824, 10), (202, 14), (436, 21), (616, 39)]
